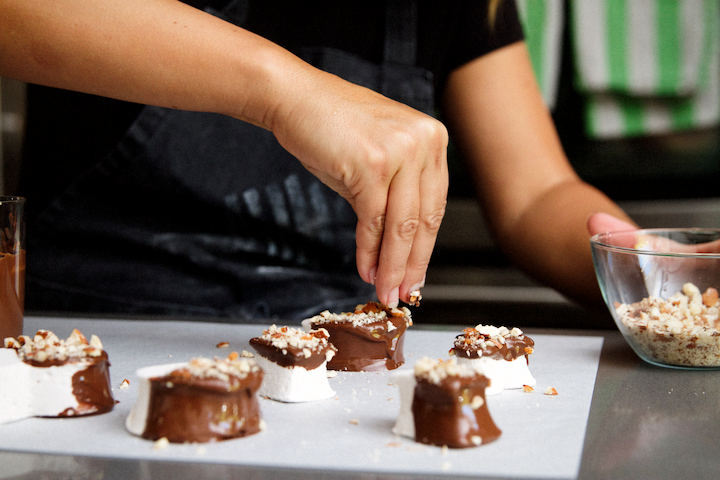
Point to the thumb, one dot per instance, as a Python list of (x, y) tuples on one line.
[(604, 222)]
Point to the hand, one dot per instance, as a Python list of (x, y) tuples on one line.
[(602, 222), (388, 160)]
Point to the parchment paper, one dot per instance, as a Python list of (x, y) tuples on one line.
[(542, 435)]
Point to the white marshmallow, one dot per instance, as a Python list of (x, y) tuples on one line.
[(27, 391), (503, 374), (293, 384), (405, 423)]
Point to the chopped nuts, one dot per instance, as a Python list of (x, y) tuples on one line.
[(435, 371), (496, 342), (528, 389), (221, 369), (477, 402), (284, 337), (370, 312), (682, 330), (550, 391), (223, 345), (125, 384), (46, 346), (415, 298)]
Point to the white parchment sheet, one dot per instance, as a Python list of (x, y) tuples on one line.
[(542, 436)]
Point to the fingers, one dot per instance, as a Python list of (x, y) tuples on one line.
[(395, 238), (434, 185), (401, 227), (388, 160), (603, 222)]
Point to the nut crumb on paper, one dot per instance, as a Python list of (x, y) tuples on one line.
[(550, 391), (161, 444), (125, 384)]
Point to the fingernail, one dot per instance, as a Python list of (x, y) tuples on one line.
[(373, 274), (393, 298), (418, 286)]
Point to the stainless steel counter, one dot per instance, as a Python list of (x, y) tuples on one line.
[(644, 422)]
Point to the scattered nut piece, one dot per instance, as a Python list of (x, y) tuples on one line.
[(550, 391), (354, 421), (125, 384), (161, 443), (528, 389), (415, 298), (710, 297), (223, 345), (95, 342)]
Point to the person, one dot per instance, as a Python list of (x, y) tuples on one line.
[(233, 158)]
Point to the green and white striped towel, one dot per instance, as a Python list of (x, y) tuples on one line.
[(542, 22), (647, 66)]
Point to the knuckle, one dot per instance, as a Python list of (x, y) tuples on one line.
[(433, 220), (376, 225), (407, 228), (435, 131)]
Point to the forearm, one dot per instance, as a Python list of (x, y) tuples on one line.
[(551, 243), (535, 204), (159, 52), (386, 159)]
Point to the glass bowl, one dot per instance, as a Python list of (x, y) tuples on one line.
[(661, 286)]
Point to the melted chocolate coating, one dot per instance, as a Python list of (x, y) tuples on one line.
[(444, 416), (466, 346), (368, 347), (91, 386), (294, 356), (189, 409)]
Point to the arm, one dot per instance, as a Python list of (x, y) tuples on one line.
[(383, 157), (535, 204)]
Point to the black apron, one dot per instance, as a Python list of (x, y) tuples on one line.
[(202, 215)]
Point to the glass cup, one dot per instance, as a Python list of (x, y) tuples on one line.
[(12, 266)]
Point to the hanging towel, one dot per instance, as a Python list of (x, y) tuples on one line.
[(542, 22), (647, 66)]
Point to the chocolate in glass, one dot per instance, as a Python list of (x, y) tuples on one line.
[(12, 266)]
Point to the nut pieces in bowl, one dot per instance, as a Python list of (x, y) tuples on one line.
[(661, 287)]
